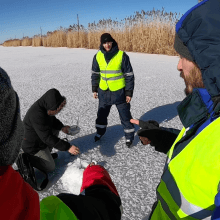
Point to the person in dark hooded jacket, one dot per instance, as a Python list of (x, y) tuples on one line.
[(113, 83), (41, 129)]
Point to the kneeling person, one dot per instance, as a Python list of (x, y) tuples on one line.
[(41, 129)]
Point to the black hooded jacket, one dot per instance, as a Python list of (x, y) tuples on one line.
[(117, 97), (39, 127)]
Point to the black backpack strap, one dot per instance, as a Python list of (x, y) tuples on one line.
[(26, 170)]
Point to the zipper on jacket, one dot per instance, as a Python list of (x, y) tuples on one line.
[(106, 73), (107, 66)]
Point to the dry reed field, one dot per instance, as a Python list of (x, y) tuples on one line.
[(26, 42), (148, 32), (12, 43), (37, 42)]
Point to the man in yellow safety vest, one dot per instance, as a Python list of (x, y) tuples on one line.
[(113, 83), (189, 186)]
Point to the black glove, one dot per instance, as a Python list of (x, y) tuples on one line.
[(151, 124), (160, 138)]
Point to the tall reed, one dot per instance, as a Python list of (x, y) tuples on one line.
[(12, 43), (37, 42), (26, 42), (55, 39), (146, 31), (77, 39)]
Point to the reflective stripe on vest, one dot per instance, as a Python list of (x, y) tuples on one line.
[(188, 208), (190, 182), (169, 210), (112, 77), (111, 71)]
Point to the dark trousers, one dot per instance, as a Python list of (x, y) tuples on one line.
[(43, 160), (125, 116)]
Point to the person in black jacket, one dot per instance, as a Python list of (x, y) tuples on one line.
[(113, 83), (41, 129)]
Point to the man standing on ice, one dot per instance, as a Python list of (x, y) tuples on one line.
[(190, 184), (41, 129), (113, 83)]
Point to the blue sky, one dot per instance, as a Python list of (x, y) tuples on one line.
[(25, 17)]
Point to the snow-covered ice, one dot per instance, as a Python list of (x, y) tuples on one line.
[(72, 178), (158, 90)]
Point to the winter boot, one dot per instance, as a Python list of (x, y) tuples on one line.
[(54, 155), (129, 143), (97, 137)]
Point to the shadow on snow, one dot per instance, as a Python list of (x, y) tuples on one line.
[(107, 144), (159, 114)]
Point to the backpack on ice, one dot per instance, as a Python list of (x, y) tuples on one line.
[(27, 172)]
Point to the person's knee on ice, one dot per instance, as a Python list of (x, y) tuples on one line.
[(50, 167)]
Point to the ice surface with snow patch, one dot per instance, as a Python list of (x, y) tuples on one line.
[(158, 90)]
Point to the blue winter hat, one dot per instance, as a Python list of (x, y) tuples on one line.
[(199, 31)]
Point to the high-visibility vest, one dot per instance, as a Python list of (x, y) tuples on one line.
[(53, 208), (111, 77), (190, 180)]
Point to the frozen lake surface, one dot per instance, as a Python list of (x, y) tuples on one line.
[(158, 90)]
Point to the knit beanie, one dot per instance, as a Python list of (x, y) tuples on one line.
[(181, 48), (106, 37), (11, 127)]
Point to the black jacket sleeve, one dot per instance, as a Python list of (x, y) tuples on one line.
[(128, 74), (161, 138), (146, 125), (57, 124), (44, 132), (62, 145), (171, 130), (95, 75)]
